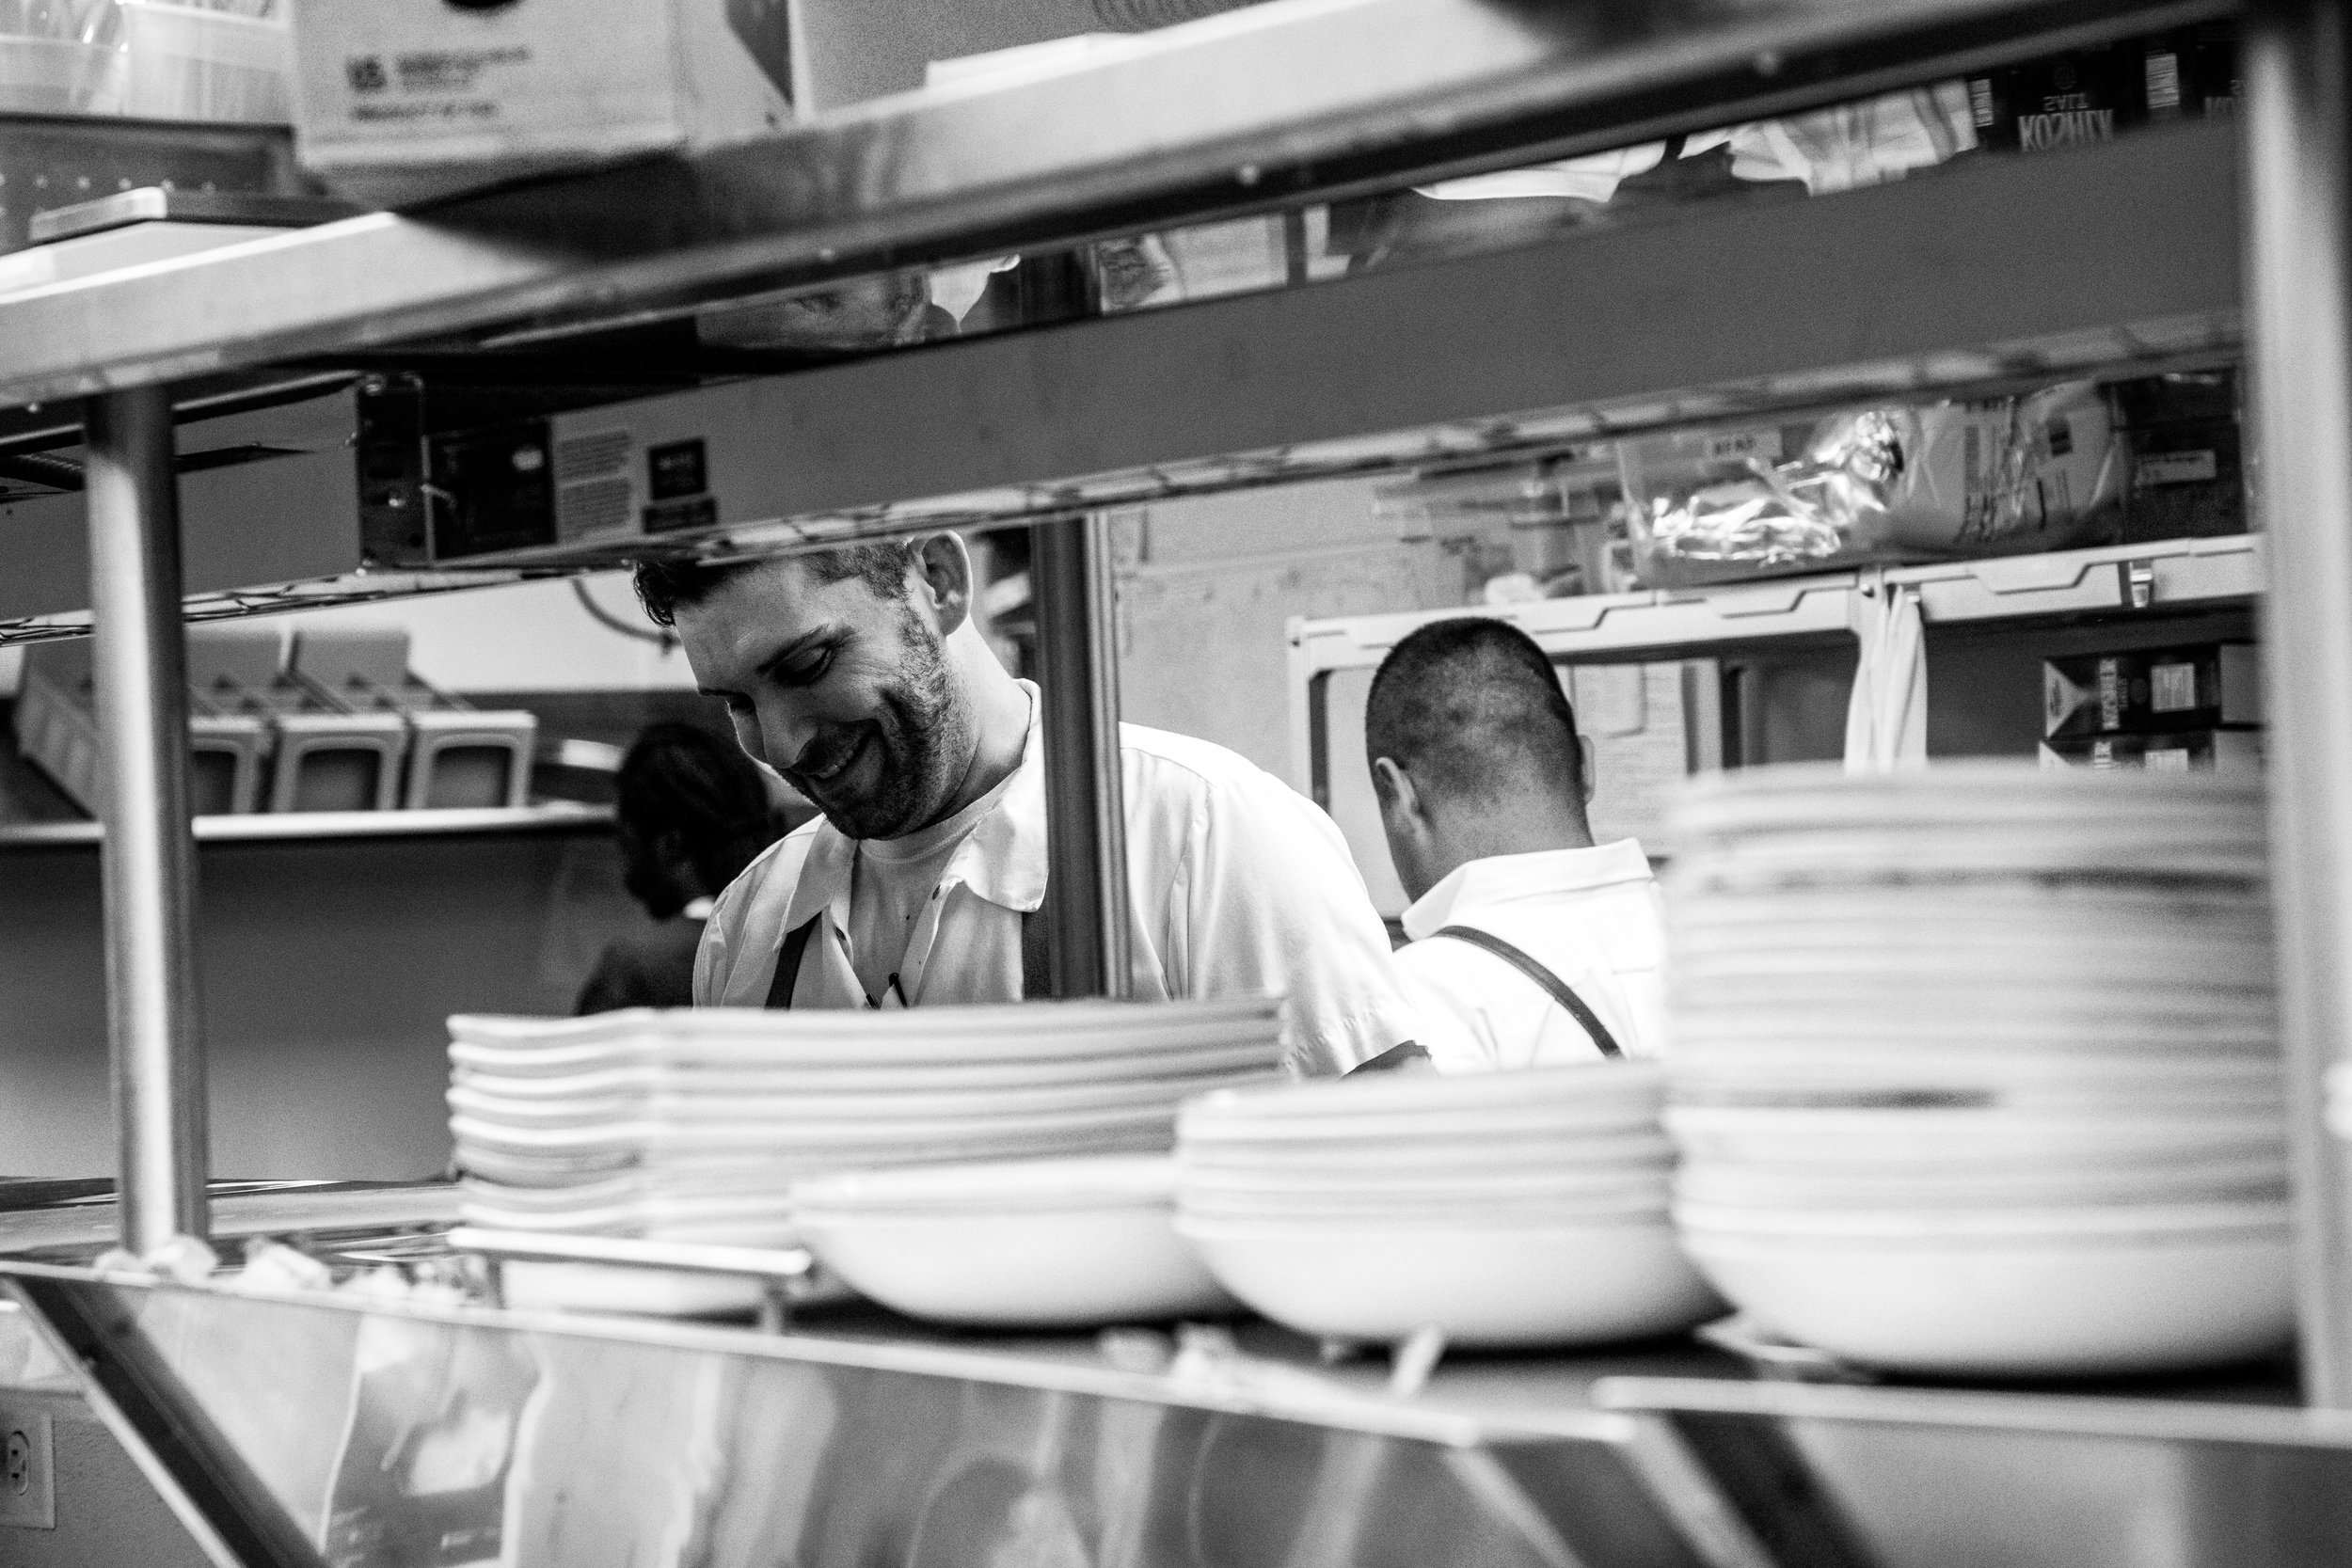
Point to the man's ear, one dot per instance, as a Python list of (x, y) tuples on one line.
[(1393, 787), (1587, 767), (944, 565)]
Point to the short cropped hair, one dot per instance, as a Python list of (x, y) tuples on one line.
[(1473, 710), (664, 585)]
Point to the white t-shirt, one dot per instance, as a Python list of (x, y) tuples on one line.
[(1594, 917), (1236, 885), (891, 880)]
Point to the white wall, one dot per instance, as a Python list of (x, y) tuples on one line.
[(530, 637)]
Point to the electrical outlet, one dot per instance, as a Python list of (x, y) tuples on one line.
[(28, 1494)]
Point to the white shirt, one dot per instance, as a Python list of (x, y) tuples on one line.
[(1235, 885), (1594, 917)]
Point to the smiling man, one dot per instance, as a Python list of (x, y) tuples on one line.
[(859, 676)]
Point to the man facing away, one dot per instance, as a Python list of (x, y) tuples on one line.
[(859, 676), (1531, 945)]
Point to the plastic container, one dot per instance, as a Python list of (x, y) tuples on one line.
[(59, 76), (188, 63)]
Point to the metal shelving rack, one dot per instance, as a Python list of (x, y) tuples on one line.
[(1915, 287)]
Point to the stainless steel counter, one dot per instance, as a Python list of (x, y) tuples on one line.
[(342, 1429)]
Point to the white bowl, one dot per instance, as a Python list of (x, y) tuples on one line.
[(1198, 1125), (1578, 1283), (1647, 1200), (997, 1186), (1566, 1182), (2033, 1307), (1468, 1155), (1025, 1268), (1905, 1227), (1745, 1186), (1893, 1141), (1618, 1085)]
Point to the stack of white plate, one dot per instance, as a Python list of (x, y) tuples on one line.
[(1976, 1067), (1028, 1243), (692, 1125), (1505, 1209)]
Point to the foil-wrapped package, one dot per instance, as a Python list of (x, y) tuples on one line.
[(2005, 476)]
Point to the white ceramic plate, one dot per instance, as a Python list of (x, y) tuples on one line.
[(1012, 1031), (2035, 1306), (799, 1108), (1583, 1284), (1183, 1071)]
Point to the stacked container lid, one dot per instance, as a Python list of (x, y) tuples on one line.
[(1976, 1067)]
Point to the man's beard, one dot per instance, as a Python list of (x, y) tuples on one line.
[(923, 732)]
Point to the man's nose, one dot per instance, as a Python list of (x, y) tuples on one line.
[(785, 730)]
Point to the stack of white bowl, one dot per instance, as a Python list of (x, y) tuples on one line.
[(1505, 1209), (692, 1125), (1976, 1067)]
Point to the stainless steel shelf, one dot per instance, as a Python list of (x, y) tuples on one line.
[(1261, 107), (2170, 573), (278, 827)]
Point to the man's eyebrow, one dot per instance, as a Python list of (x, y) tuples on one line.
[(767, 666)]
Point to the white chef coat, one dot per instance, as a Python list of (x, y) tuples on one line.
[(1594, 917), (1235, 885)]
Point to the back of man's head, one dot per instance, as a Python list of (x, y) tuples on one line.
[(1473, 711), (700, 792)]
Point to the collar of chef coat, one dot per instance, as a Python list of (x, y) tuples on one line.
[(1001, 860), (1501, 879)]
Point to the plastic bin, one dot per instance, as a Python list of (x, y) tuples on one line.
[(324, 757), (56, 729), (458, 755), (189, 63)]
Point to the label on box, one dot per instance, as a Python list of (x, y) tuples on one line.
[(2111, 693), (1764, 444), (2170, 759), (2175, 468), (2172, 687)]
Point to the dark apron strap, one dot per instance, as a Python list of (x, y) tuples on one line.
[(788, 962), (1034, 973), (1557, 988)]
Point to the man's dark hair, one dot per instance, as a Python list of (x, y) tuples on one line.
[(683, 779), (664, 585), (1472, 709)]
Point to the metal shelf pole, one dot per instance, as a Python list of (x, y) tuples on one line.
[(1086, 823), (2297, 57), (148, 865)]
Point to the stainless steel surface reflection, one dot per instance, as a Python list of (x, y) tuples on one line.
[(1906, 1478), (323, 1430)]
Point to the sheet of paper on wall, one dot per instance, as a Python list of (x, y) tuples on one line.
[(1650, 725)]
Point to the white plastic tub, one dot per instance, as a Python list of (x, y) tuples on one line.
[(186, 63)]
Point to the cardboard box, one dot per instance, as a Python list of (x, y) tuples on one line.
[(2151, 690), (2194, 750), (398, 102)]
